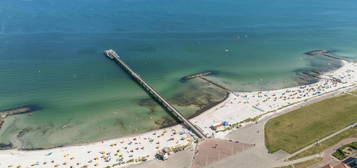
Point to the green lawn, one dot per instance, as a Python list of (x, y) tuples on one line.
[(308, 163), (297, 129), (350, 133), (305, 164)]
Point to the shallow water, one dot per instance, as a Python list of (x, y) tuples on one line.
[(52, 56)]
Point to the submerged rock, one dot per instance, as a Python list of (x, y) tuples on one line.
[(165, 122), (17, 110), (1, 122), (202, 97), (6, 146), (317, 52), (23, 132)]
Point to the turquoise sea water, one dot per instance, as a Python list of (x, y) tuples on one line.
[(51, 55)]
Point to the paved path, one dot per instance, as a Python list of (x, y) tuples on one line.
[(351, 94), (213, 150), (181, 159), (326, 155), (300, 160), (257, 156), (319, 141)]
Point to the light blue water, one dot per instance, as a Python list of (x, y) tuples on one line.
[(51, 55)]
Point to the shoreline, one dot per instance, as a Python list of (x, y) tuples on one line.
[(35, 107), (195, 114), (235, 108)]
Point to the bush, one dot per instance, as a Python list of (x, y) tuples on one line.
[(339, 154)]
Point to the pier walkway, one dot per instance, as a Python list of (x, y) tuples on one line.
[(195, 129)]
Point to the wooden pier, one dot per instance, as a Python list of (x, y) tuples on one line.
[(195, 129)]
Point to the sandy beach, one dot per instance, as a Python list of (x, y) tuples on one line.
[(238, 107)]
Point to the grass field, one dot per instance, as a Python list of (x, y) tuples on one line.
[(308, 163), (350, 133), (305, 164), (299, 128)]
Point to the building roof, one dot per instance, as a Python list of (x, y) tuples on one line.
[(350, 161)]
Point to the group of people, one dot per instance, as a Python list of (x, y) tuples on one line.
[(244, 107), (272, 100), (111, 153)]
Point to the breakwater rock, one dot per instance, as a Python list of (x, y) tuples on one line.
[(16, 111), (317, 52), (201, 74)]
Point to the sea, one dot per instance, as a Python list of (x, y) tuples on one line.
[(51, 58)]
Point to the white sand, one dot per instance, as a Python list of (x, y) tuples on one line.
[(236, 108), (103, 154)]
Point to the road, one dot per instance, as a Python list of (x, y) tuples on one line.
[(351, 94)]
